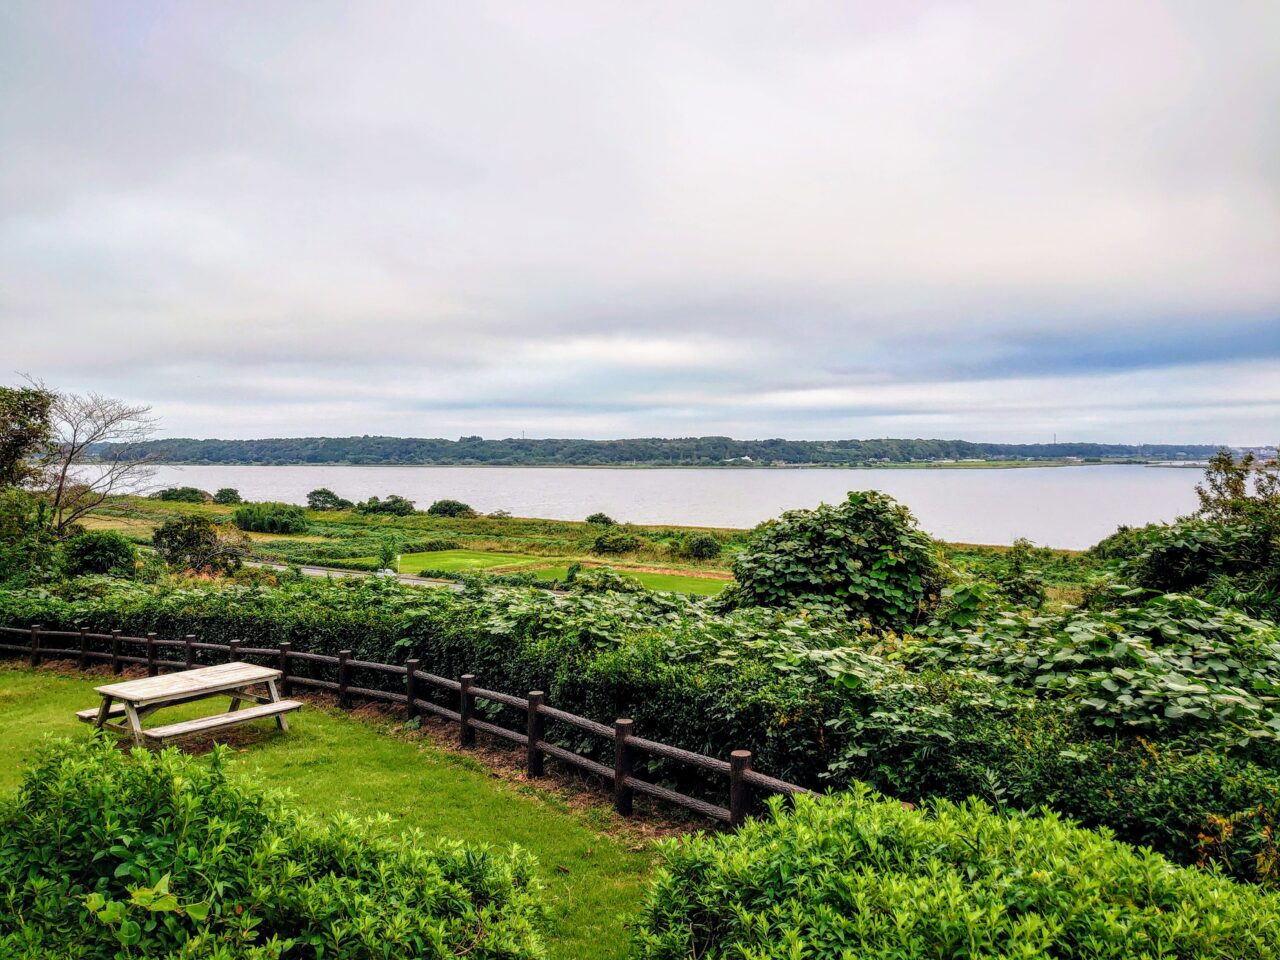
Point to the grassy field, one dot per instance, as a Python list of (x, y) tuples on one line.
[(671, 582), (459, 561), (332, 761)]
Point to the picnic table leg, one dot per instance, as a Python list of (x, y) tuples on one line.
[(104, 711), (135, 725), (281, 720)]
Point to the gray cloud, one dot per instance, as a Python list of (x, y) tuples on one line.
[(990, 220)]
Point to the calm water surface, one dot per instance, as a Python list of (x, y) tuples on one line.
[(1054, 506)]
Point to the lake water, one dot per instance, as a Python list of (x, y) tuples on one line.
[(1070, 507)]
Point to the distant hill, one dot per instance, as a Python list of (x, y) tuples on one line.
[(684, 451)]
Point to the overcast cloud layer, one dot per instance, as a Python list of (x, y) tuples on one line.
[(993, 221)]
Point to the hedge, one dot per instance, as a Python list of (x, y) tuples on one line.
[(854, 875)]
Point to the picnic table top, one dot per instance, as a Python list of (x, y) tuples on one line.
[(186, 683)]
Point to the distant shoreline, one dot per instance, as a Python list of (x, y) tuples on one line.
[(958, 465)]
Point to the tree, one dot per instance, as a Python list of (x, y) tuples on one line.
[(28, 551), (395, 505), (1240, 490), (227, 496), (386, 554), (99, 551), (180, 495), (270, 518), (91, 453), (700, 546), (24, 432), (602, 519), (195, 543), (450, 508), (323, 498), (866, 555)]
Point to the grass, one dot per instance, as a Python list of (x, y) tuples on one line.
[(332, 761), (459, 561), (671, 582)]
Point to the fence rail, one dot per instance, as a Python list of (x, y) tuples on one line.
[(743, 782)]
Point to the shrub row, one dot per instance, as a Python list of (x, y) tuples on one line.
[(857, 876), (819, 699), (105, 854)]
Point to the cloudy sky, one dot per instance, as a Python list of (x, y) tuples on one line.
[(851, 219)]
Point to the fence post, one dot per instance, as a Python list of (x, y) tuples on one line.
[(233, 651), (622, 794), (35, 644), (152, 669), (285, 649), (739, 789), (534, 728), (83, 662), (188, 640), (466, 707), (116, 665), (410, 689), (344, 679)]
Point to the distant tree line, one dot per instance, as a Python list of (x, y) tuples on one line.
[(684, 451)]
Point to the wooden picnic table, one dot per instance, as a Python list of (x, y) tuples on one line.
[(134, 699)]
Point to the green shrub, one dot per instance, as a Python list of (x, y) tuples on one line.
[(611, 541), (450, 508), (196, 543), (323, 498), (182, 495), (866, 555), (227, 496), (106, 854), (603, 580), (270, 518), (99, 551), (601, 519), (700, 546), (395, 506), (854, 875), (28, 547)]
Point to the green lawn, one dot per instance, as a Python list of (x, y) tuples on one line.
[(671, 582), (332, 761), (460, 561)]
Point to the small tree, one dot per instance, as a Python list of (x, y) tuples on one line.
[(1244, 489), (601, 519), (227, 496), (386, 554), (323, 498), (195, 543), (700, 546), (450, 508), (181, 495), (99, 551), (866, 555), (24, 432), (394, 505)]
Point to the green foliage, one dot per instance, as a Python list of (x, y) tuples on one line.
[(24, 431), (601, 519), (28, 545), (182, 495), (856, 875), (450, 508), (195, 543), (700, 546), (865, 555), (270, 518), (1247, 489), (394, 506), (322, 498), (386, 555), (99, 551), (227, 496), (1019, 579), (612, 541), (603, 580), (107, 855)]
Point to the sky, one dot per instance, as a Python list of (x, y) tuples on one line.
[(981, 220)]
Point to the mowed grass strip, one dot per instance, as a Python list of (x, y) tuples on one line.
[(459, 561), (332, 761), (670, 582)]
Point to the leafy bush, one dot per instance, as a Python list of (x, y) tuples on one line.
[(395, 505), (105, 855), (866, 555), (603, 580), (196, 543), (855, 875), (611, 541), (99, 551), (227, 496), (602, 519), (323, 498), (28, 546), (182, 495), (700, 546), (270, 518), (450, 508)]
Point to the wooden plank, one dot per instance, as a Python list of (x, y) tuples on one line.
[(219, 720), (206, 680), (91, 715)]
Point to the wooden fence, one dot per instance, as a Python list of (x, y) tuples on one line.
[(743, 782)]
